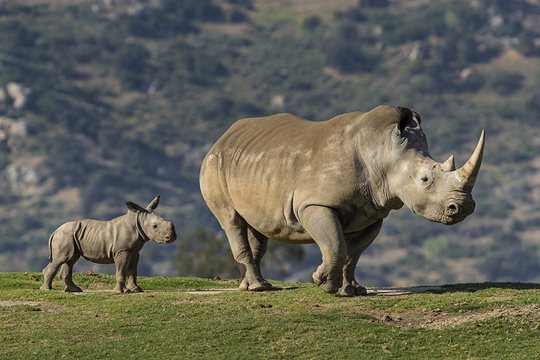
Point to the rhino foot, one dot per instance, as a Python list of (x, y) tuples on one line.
[(45, 287), (350, 290), (254, 285), (326, 283), (120, 290)]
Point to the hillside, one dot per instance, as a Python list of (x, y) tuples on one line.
[(174, 318), (107, 101)]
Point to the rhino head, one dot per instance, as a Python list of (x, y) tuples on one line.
[(150, 225), (436, 191)]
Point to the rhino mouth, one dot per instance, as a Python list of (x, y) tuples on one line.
[(448, 220), (451, 213), (168, 239)]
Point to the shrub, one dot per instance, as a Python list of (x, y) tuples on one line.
[(347, 51), (131, 63), (506, 83)]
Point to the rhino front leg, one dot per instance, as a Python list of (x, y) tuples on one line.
[(323, 225), (132, 274), (121, 261), (356, 244)]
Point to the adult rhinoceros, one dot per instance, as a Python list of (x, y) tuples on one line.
[(330, 182)]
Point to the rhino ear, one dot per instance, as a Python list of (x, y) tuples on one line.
[(153, 204), (405, 117), (417, 117), (134, 207)]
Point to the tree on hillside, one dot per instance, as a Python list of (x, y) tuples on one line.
[(205, 253), (347, 51)]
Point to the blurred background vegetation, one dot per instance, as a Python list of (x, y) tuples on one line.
[(103, 101)]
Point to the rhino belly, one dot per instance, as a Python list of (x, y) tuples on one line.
[(97, 247), (97, 255)]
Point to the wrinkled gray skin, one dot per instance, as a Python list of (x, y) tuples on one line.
[(332, 183), (116, 241)]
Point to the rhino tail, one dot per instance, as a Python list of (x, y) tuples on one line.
[(50, 246)]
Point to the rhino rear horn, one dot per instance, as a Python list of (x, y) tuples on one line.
[(449, 165), (469, 171)]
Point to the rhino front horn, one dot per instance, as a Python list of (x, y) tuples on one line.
[(469, 171)]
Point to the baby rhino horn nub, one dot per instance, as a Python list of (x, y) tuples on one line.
[(469, 171)]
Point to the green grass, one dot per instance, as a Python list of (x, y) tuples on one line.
[(300, 321)]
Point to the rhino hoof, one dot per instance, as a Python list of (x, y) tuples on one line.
[(255, 285), (329, 287), (45, 288), (316, 279), (352, 290), (243, 285), (346, 291), (325, 283)]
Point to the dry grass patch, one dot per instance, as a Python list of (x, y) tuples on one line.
[(439, 319), (32, 305)]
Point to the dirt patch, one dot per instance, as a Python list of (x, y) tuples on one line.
[(438, 319), (108, 288), (39, 306), (208, 292)]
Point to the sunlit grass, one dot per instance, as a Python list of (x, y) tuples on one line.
[(299, 321)]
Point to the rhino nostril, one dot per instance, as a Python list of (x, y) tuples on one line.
[(452, 209)]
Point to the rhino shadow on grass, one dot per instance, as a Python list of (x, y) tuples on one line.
[(117, 241)]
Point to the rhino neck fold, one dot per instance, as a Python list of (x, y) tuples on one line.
[(139, 229), (374, 161), (382, 198)]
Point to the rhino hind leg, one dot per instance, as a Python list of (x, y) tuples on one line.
[(49, 272), (355, 246), (62, 250), (235, 228), (66, 274), (258, 244), (213, 188)]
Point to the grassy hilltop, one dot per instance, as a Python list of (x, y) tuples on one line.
[(480, 321), (107, 101)]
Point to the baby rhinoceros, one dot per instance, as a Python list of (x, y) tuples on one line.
[(105, 242)]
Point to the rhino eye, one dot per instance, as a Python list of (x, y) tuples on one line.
[(426, 181), (154, 226)]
